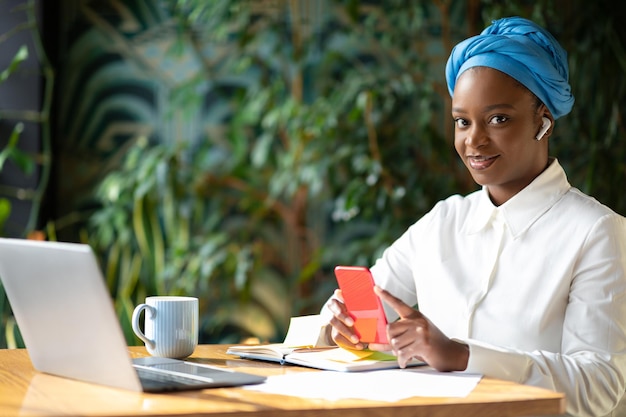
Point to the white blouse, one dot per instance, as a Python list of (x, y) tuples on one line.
[(536, 287)]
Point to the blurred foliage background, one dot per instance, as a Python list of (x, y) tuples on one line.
[(239, 150)]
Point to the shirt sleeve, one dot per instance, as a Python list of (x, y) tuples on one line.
[(590, 369), (394, 270)]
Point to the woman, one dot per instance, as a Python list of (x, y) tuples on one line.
[(524, 280)]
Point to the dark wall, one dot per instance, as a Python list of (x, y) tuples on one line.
[(20, 101)]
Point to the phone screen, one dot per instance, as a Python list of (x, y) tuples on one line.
[(357, 287)]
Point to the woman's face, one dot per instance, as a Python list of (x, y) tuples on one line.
[(496, 121)]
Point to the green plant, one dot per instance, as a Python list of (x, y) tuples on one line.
[(161, 237), (326, 133), (11, 151), (40, 117), (322, 147), (38, 164)]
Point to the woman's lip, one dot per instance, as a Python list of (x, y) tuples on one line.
[(481, 162)]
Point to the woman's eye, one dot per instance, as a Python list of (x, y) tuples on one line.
[(460, 122), (495, 120)]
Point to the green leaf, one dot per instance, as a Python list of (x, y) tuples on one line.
[(5, 211), (23, 160), (261, 150), (12, 143), (20, 56)]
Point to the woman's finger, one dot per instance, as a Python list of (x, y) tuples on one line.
[(339, 310), (380, 347), (403, 309)]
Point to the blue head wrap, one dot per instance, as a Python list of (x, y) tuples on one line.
[(523, 50)]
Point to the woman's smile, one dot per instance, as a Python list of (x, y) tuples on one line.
[(480, 162)]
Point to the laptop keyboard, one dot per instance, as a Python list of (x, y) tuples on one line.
[(151, 380), (161, 374)]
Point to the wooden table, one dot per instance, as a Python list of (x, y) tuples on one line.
[(26, 392)]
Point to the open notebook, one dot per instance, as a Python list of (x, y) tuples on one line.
[(66, 317), (301, 347)]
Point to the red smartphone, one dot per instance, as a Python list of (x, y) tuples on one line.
[(357, 287)]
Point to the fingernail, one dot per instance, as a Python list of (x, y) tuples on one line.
[(349, 321), (354, 339)]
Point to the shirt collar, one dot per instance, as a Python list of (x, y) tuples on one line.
[(524, 208)]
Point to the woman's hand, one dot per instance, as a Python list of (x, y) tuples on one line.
[(414, 336), (342, 324)]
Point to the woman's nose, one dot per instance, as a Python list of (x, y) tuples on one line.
[(476, 136)]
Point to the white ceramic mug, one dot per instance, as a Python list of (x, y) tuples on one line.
[(171, 325)]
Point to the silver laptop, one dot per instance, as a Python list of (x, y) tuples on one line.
[(66, 317)]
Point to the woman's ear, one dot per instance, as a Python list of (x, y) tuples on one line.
[(545, 126)]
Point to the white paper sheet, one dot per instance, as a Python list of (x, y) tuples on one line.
[(304, 331), (387, 385)]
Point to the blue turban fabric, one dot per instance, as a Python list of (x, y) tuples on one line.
[(523, 50)]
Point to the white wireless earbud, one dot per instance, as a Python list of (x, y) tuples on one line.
[(544, 128)]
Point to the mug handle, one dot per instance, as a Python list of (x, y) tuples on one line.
[(135, 323)]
